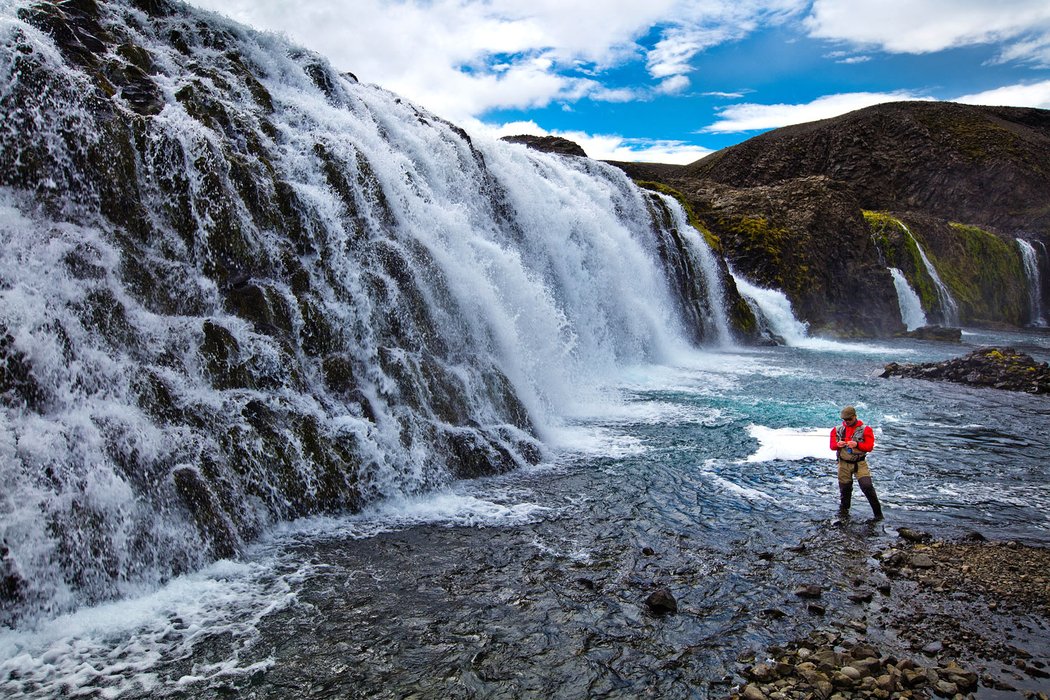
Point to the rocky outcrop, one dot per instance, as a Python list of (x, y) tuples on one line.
[(938, 333), (549, 144), (999, 368), (967, 180), (807, 238)]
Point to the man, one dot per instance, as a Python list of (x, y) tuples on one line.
[(852, 441)]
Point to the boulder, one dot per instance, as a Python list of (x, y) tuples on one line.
[(662, 602)]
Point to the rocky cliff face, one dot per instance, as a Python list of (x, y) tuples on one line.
[(964, 181)]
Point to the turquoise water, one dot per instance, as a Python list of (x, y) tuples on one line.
[(705, 478)]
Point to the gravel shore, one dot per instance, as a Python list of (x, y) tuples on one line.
[(954, 619)]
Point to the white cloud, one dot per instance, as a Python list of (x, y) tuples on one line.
[(754, 117), (1031, 95), (461, 58), (909, 26), (606, 146)]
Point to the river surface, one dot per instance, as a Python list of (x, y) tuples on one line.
[(705, 478)]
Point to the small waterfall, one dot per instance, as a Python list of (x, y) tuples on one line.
[(704, 259), (775, 308), (949, 309), (1035, 282), (912, 314)]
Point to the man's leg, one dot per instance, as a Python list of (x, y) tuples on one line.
[(869, 493), (845, 487)]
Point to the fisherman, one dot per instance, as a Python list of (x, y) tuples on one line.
[(852, 441)]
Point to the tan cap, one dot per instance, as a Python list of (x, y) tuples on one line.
[(848, 412)]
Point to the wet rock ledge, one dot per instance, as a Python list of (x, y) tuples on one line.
[(999, 368)]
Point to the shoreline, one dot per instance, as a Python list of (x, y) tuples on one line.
[(936, 618)]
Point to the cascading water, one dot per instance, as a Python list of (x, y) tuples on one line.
[(775, 308), (716, 316), (912, 314), (238, 287), (1035, 282), (949, 309)]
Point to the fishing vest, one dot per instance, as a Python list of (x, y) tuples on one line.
[(850, 454)]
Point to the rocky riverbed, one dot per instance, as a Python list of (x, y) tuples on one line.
[(999, 368), (972, 616)]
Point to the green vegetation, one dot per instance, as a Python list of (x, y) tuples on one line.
[(694, 221), (985, 275), (902, 252), (983, 272)]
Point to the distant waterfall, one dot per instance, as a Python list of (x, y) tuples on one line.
[(711, 279), (775, 308), (239, 287), (912, 314), (949, 309), (1035, 282)]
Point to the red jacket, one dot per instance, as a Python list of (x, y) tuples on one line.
[(866, 443)]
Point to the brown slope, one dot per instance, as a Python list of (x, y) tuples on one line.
[(982, 165)]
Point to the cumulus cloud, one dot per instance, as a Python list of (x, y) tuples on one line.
[(606, 146), (1030, 95), (754, 117), (907, 26), (461, 58)]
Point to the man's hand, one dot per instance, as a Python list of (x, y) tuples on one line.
[(852, 443), (840, 443)]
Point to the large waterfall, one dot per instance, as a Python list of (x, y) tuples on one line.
[(1035, 282), (238, 287)]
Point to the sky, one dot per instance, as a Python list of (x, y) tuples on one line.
[(670, 80)]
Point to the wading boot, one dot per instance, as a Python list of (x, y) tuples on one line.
[(873, 500), (845, 497)]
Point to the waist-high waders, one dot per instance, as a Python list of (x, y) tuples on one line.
[(846, 470)]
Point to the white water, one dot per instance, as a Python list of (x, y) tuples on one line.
[(912, 314), (445, 273), (775, 308), (714, 290), (949, 309), (1035, 282)]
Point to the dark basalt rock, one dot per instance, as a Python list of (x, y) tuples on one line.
[(548, 144), (787, 205), (939, 333), (999, 368), (662, 602)]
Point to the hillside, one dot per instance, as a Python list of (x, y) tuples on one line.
[(981, 165), (955, 180)]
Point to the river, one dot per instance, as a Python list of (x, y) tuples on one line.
[(707, 477)]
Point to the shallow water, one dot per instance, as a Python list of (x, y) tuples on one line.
[(532, 584)]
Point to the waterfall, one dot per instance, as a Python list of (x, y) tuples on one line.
[(949, 309), (775, 308), (239, 287), (716, 315), (912, 314), (1035, 282)]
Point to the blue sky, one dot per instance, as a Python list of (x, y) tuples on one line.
[(670, 80)]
